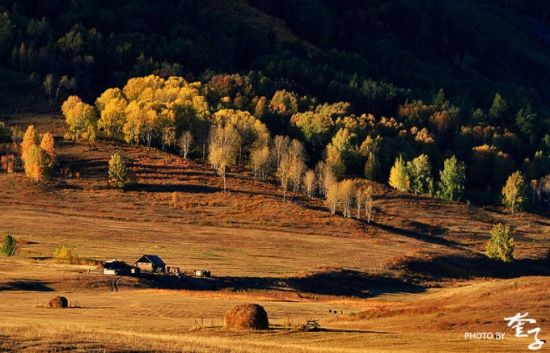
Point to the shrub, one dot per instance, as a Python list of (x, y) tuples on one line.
[(117, 171), (501, 245), (9, 247), (9, 163), (64, 254)]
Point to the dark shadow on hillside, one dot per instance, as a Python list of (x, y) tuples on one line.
[(308, 204), (463, 267), (168, 174), (193, 188), (404, 197), (348, 283), (420, 235), (153, 168), (85, 166), (25, 285)]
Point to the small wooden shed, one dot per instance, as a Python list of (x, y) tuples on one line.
[(151, 263), (202, 273), (119, 268)]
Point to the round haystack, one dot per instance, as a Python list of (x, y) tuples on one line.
[(246, 317), (58, 303)]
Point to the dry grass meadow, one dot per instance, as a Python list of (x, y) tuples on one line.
[(413, 281)]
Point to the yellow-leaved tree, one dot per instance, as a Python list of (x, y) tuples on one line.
[(399, 176), (37, 159), (36, 163), (347, 191), (81, 119), (224, 142), (111, 105), (513, 193), (253, 134), (47, 144), (260, 160), (29, 139), (310, 182)]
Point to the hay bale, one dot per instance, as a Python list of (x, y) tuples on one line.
[(246, 317), (58, 303)]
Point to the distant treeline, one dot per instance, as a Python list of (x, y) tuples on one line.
[(362, 77)]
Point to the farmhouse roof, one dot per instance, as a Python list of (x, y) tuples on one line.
[(115, 264), (154, 259)]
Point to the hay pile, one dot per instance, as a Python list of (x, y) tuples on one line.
[(246, 317), (58, 303)]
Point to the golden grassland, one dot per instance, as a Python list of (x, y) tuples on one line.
[(169, 320), (292, 257)]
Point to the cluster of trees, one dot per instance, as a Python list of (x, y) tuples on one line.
[(230, 120), (31, 151), (38, 154), (148, 110), (349, 195), (416, 176)]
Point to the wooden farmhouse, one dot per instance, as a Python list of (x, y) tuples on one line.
[(151, 264)]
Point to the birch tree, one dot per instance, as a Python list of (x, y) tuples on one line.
[(346, 193), (297, 164), (360, 197), (310, 182), (369, 203), (259, 161), (332, 197), (184, 143), (223, 149), (280, 146)]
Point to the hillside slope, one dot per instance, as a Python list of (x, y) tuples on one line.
[(230, 232)]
